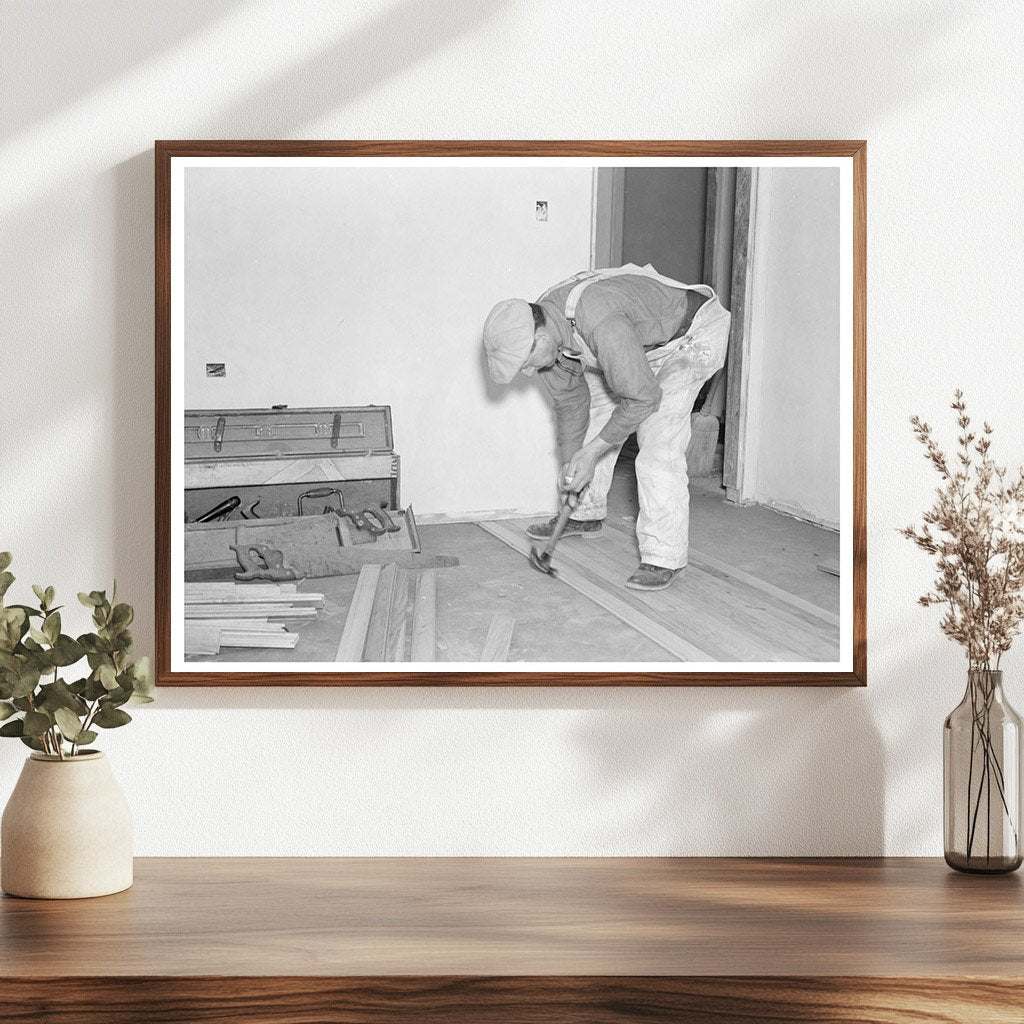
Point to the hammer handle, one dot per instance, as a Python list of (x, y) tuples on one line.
[(563, 518)]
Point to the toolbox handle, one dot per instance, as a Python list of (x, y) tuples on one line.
[(218, 437), (321, 492), (336, 430)]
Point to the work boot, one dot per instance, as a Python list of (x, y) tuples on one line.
[(651, 577), (573, 528)]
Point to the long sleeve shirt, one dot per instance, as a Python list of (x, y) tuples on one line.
[(620, 319)]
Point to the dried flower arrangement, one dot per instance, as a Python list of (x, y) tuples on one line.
[(975, 529)]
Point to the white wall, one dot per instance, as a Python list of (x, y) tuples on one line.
[(796, 435), (88, 86), (327, 286)]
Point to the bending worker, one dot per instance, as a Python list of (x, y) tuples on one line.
[(617, 351)]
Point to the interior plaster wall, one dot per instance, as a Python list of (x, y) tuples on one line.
[(797, 434), (348, 286), (88, 86)]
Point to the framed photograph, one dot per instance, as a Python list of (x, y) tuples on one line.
[(492, 413)]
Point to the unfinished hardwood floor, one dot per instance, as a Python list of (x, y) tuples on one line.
[(712, 612)]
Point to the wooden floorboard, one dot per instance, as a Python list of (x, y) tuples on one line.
[(712, 612), (622, 604), (720, 567), (424, 644), (499, 638), (357, 621), (744, 615)]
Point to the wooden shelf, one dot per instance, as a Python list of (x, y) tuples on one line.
[(573, 941)]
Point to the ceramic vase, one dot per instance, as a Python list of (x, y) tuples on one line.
[(66, 831)]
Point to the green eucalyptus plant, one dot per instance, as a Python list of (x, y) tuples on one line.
[(46, 712)]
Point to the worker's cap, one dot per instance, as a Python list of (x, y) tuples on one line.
[(508, 339)]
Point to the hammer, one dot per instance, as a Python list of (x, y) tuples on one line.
[(541, 559)]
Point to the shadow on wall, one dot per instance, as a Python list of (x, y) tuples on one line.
[(407, 33), (676, 779), (810, 61), (87, 29)]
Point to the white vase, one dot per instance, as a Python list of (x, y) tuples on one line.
[(66, 831)]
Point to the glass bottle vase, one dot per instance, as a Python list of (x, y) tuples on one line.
[(981, 772)]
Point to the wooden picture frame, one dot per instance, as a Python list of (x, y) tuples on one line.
[(752, 163)]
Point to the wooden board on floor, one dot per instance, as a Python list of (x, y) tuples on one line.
[(752, 623), (717, 566), (387, 618), (729, 621), (708, 614), (423, 618), (357, 622), (499, 638), (619, 605)]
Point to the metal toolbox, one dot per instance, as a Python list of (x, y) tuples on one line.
[(274, 456)]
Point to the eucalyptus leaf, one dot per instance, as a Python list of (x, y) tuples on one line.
[(115, 698), (89, 600), (111, 718), (94, 689), (50, 595), (66, 651), (6, 579), (107, 676), (13, 728), (39, 636), (6, 710), (51, 626), (31, 741), (5, 560), (93, 644), (27, 681), (86, 736), (29, 610), (121, 616), (69, 724), (59, 695), (36, 723), (12, 627)]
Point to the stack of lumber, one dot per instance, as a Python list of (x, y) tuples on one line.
[(221, 615)]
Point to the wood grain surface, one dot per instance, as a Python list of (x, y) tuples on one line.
[(164, 151), (510, 939)]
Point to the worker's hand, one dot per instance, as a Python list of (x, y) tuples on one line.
[(576, 474)]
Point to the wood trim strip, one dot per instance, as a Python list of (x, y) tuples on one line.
[(357, 621), (424, 644), (498, 639)]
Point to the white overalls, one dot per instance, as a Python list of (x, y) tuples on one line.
[(681, 366)]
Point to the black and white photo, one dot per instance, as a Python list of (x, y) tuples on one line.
[(552, 415)]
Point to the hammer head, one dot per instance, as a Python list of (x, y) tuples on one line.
[(541, 561)]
